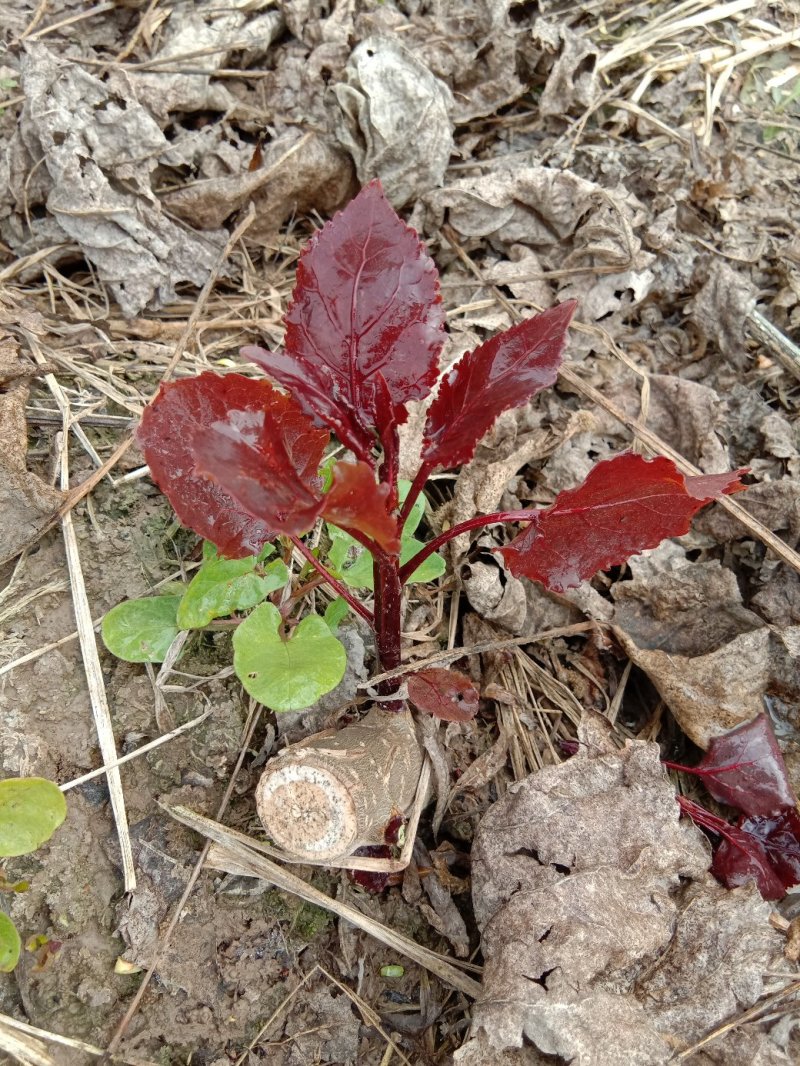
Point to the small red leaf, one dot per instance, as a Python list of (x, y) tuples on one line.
[(503, 373), (356, 502), (780, 837), (744, 768), (267, 460), (445, 694), (740, 857), (625, 505), (168, 427), (366, 302)]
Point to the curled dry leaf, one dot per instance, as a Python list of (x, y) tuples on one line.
[(99, 146), (446, 694), (709, 657), (604, 938), (394, 119)]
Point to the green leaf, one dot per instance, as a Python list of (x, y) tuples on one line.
[(286, 675), (141, 631), (222, 586), (335, 613), (31, 809), (434, 566), (9, 944), (417, 512)]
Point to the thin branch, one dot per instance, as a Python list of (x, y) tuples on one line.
[(463, 527), (417, 486), (334, 583)]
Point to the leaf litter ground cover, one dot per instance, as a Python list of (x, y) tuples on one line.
[(696, 399)]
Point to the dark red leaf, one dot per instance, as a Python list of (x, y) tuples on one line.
[(445, 694), (625, 505), (356, 502), (372, 880), (740, 857), (180, 410), (780, 837), (503, 373), (267, 460), (366, 302), (744, 768)]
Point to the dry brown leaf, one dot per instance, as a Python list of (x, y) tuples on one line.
[(317, 175), (99, 147), (26, 502), (721, 307), (590, 941), (395, 119), (496, 595), (708, 656)]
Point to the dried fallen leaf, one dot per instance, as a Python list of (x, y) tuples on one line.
[(26, 502), (594, 953)]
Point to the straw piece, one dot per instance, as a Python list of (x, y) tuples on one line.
[(229, 855), (88, 643)]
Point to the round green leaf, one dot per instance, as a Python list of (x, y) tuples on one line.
[(222, 586), (141, 631), (434, 566), (31, 809), (286, 675), (9, 944)]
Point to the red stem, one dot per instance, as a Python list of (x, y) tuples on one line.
[(463, 527), (336, 585), (416, 488)]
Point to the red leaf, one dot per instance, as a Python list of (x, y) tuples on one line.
[(356, 502), (445, 694), (780, 837), (503, 373), (267, 460), (740, 856), (624, 506), (366, 302), (180, 410), (744, 768)]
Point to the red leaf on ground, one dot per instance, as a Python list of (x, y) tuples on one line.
[(779, 835), (740, 857), (503, 373), (168, 427), (266, 459), (356, 502), (445, 694), (625, 505), (744, 768), (366, 302)]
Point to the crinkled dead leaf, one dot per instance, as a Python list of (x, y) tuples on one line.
[(98, 147), (395, 119), (708, 656), (27, 503), (604, 938)]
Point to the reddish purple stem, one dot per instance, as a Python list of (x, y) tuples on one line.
[(463, 527), (336, 585)]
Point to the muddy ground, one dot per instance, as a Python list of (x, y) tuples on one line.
[(641, 158)]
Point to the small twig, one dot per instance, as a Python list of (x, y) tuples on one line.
[(135, 754), (785, 351), (479, 649), (336, 585), (747, 1016)]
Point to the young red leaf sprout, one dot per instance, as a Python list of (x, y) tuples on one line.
[(242, 460)]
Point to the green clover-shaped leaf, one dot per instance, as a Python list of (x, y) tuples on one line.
[(31, 809), (286, 674), (222, 586), (141, 631)]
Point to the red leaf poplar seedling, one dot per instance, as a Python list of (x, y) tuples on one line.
[(241, 460)]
